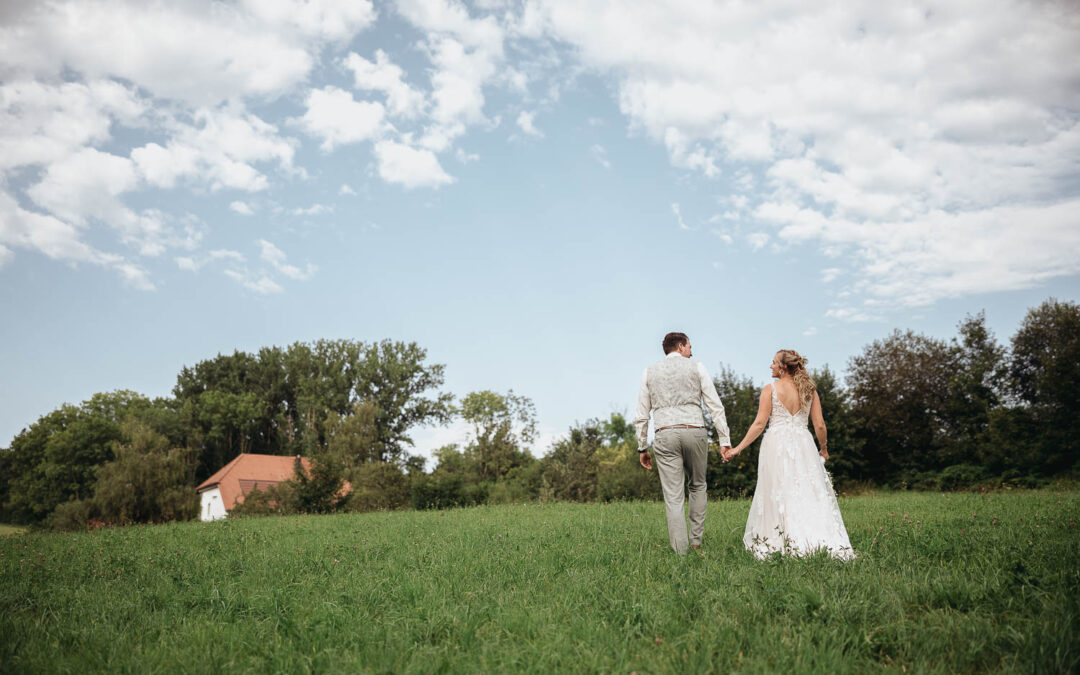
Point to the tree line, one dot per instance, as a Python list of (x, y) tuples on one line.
[(912, 412)]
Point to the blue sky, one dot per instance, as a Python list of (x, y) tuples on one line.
[(533, 191)]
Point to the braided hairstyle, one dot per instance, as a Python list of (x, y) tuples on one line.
[(795, 365)]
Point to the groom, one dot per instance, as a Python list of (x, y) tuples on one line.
[(672, 390)]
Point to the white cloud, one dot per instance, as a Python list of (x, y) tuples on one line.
[(830, 274), (42, 123), (276, 257), (849, 314), (220, 150), (598, 153), (346, 190), (201, 52), (678, 216), (525, 123), (262, 285), (811, 331), (323, 19), (313, 210), (226, 254), (384, 76), (876, 127), (242, 208), (757, 240), (337, 118), (410, 167), (187, 264), (85, 187), (60, 241), (194, 264), (466, 54), (722, 235), (466, 157)]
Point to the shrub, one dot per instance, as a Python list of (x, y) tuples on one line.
[(378, 485), (959, 476)]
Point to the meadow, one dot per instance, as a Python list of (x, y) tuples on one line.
[(943, 583)]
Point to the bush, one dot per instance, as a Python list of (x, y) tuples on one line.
[(443, 490), (276, 500), (378, 486), (959, 476), (620, 476), (73, 515)]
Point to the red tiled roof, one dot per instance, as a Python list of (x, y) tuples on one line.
[(241, 475)]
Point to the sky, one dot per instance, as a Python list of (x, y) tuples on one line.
[(535, 192)]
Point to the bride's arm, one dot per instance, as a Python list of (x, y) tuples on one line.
[(819, 426), (763, 412)]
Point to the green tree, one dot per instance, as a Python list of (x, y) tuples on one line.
[(395, 377), (353, 439), (570, 467), (846, 459), (738, 477), (899, 390), (147, 482), (318, 490), (1045, 372), (975, 389), (503, 426), (58, 457)]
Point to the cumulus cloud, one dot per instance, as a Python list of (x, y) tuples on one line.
[(277, 259), (337, 118), (313, 210), (525, 123), (46, 234), (199, 52), (220, 149), (261, 284), (41, 123), (886, 134), (242, 208), (384, 76), (410, 167), (757, 240)]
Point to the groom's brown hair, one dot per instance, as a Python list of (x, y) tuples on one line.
[(673, 340)]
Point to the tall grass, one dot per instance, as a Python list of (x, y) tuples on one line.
[(943, 583)]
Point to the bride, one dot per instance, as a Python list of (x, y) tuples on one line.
[(794, 510)]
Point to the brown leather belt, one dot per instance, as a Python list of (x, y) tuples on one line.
[(679, 426)]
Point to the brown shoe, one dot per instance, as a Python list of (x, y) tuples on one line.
[(696, 547)]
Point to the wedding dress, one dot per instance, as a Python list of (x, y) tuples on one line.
[(794, 511)]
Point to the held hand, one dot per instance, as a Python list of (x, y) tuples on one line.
[(646, 460), (726, 453), (824, 453)]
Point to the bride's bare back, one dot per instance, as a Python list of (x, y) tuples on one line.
[(788, 394)]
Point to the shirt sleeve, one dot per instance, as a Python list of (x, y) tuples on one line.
[(712, 402), (641, 416)]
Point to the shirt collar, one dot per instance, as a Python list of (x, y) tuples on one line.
[(672, 354)]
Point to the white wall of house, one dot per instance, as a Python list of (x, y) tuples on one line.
[(212, 507)]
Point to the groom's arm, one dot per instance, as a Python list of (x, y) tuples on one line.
[(716, 408), (641, 415)]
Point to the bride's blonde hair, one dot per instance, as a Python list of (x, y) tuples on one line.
[(795, 365)]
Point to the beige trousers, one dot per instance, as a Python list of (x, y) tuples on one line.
[(681, 457)]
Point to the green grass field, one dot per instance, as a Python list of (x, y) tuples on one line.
[(6, 530), (944, 583)]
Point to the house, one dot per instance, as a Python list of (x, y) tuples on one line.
[(228, 486)]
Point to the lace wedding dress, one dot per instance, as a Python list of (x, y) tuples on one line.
[(794, 511)]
